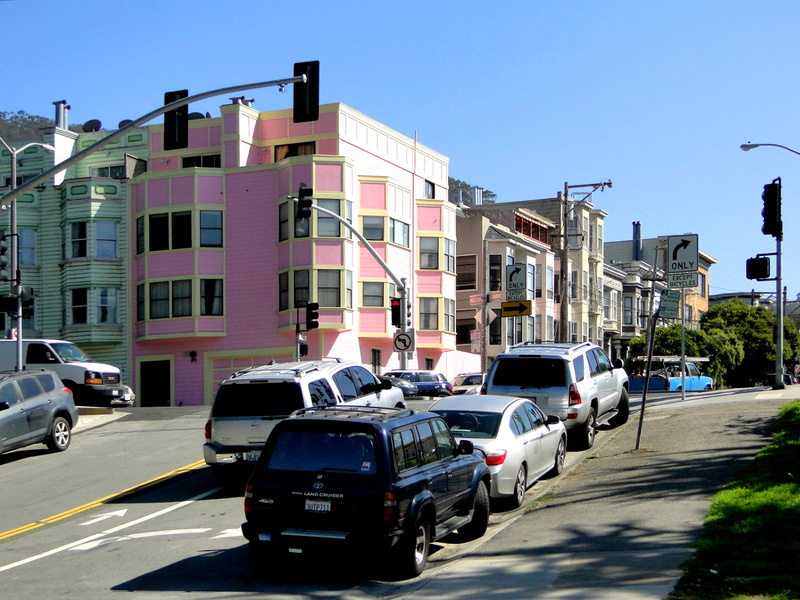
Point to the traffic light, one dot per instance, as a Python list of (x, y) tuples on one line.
[(176, 122), (312, 315), (306, 95), (303, 349), (773, 225), (5, 270), (397, 316), (26, 301), (304, 202), (758, 268)]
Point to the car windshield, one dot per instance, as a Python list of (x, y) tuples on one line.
[(258, 399), (471, 424), (531, 371), (324, 450), (70, 352)]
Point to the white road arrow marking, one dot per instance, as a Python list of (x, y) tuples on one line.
[(104, 516), (228, 533)]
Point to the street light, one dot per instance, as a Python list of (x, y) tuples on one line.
[(16, 284), (778, 385)]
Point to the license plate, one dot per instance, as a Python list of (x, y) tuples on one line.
[(115, 392), (252, 456), (318, 505)]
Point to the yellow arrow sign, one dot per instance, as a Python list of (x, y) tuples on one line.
[(520, 308)]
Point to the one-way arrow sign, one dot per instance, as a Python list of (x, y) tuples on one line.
[(520, 308)]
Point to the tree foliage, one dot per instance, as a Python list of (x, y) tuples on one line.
[(463, 191), (20, 126), (737, 338)]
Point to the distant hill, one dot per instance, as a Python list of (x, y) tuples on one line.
[(19, 126)]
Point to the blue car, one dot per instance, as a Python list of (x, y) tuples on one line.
[(429, 383)]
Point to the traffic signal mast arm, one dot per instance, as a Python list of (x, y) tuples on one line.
[(32, 183)]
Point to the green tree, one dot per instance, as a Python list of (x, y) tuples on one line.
[(462, 191), (752, 327)]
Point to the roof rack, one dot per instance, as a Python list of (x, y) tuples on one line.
[(376, 413), (570, 347)]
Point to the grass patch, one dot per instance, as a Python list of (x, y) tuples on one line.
[(750, 544)]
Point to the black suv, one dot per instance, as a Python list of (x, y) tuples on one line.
[(380, 481)]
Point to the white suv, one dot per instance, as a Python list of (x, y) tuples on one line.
[(248, 404), (576, 382)]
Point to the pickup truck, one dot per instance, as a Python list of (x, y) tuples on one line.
[(665, 375)]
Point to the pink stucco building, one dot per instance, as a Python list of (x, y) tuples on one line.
[(220, 262)]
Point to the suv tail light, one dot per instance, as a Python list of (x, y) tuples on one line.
[(483, 389), (67, 390), (208, 430), (574, 395), (248, 497), (496, 457), (389, 507), (449, 387)]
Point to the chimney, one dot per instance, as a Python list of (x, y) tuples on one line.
[(477, 196), (637, 241), (62, 109)]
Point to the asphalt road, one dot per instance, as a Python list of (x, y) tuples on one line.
[(615, 525)]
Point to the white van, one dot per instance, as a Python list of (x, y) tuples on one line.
[(92, 384)]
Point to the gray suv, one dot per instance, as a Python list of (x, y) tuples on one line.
[(248, 404), (577, 382), (35, 407)]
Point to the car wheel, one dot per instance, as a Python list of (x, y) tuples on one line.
[(520, 486), (561, 457), (480, 516), (412, 550), (708, 388), (623, 410), (60, 435), (584, 435)]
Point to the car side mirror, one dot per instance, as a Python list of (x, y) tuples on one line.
[(385, 384), (553, 420), (465, 447), (618, 363), (4, 406)]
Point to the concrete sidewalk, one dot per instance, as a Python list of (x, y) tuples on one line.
[(618, 525)]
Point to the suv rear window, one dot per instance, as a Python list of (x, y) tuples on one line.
[(331, 449), (531, 371), (258, 399)]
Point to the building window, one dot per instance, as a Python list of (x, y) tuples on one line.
[(573, 285), (466, 272), (495, 272), (289, 150), (115, 172), (550, 283), (373, 293), (496, 332), (328, 226), (464, 329), (140, 238), (398, 233), (450, 255), (283, 290), (372, 228), (158, 226), (141, 303), (211, 228), (450, 315), (106, 239), (302, 287), (77, 240), (329, 287), (376, 361), (181, 230), (107, 306), (182, 298), (429, 313), (159, 300), (348, 289), (428, 253), (211, 297), (627, 310), (283, 222), (27, 246), (430, 190), (211, 161), (79, 306)]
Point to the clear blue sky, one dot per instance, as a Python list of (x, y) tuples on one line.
[(522, 96)]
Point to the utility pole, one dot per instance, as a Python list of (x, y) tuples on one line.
[(566, 209)]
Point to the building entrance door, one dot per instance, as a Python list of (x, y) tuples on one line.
[(155, 387)]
